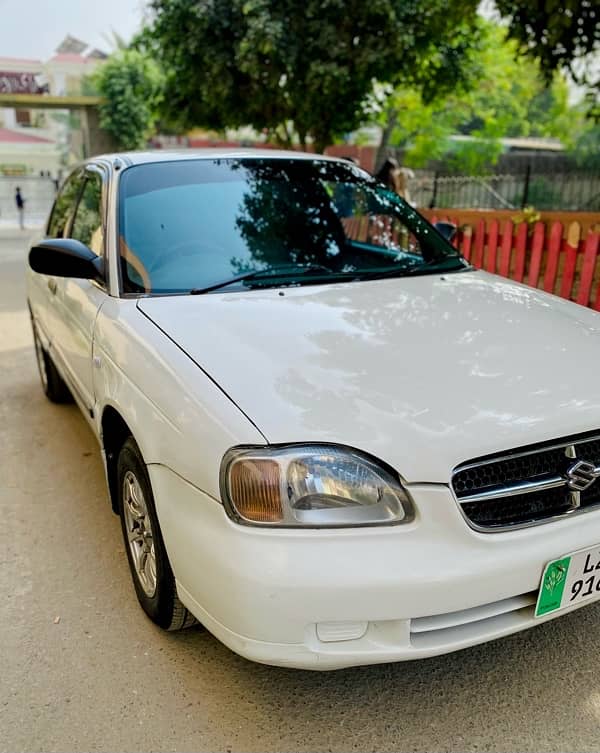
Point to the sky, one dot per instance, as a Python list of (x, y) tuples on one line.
[(34, 28)]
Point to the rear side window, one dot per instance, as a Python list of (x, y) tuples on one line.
[(87, 225), (64, 206)]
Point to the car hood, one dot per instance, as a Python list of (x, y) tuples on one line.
[(422, 372)]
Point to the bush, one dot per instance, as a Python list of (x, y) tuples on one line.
[(131, 86)]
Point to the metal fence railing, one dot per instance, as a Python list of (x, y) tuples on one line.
[(573, 191)]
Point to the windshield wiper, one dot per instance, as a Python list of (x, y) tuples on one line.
[(262, 274), (431, 267)]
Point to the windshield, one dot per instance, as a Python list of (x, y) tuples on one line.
[(195, 224)]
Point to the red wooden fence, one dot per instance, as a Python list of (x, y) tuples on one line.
[(558, 259)]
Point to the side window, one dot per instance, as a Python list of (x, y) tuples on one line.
[(87, 225), (64, 206)]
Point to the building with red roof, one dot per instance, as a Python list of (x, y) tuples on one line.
[(37, 140)]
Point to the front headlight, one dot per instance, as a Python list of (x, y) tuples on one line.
[(312, 486)]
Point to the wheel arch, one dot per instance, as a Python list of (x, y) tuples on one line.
[(114, 432)]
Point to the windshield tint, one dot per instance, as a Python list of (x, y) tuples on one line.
[(188, 225)]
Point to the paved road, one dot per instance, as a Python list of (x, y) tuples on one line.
[(103, 678)]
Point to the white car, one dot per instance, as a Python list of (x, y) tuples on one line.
[(329, 439)]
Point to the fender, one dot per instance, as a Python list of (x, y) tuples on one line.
[(163, 397)]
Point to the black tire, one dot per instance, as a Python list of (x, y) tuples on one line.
[(139, 521), (53, 384)]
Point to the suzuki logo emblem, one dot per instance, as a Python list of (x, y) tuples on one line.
[(581, 475)]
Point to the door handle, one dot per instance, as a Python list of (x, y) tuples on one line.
[(52, 285)]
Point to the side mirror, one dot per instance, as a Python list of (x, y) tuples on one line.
[(66, 257), (447, 229)]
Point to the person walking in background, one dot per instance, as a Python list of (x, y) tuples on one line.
[(395, 178), (388, 174), (20, 202)]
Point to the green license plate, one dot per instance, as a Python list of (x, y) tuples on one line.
[(570, 580)]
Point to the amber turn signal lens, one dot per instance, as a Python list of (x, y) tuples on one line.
[(254, 489)]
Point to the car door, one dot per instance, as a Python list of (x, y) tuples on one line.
[(45, 290), (81, 300)]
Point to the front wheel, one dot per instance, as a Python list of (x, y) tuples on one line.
[(150, 568)]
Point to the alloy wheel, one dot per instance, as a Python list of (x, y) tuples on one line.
[(139, 533)]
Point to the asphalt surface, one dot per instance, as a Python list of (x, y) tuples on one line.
[(81, 668)]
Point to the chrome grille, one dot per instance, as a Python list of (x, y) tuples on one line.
[(528, 485)]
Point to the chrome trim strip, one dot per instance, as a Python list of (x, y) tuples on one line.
[(510, 455), (512, 490)]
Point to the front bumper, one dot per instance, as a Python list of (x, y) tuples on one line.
[(321, 599)]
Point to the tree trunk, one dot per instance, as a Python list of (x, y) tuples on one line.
[(321, 141), (289, 139), (282, 136)]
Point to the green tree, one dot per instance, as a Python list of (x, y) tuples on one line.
[(559, 35), (507, 99), (301, 71), (586, 146), (131, 85)]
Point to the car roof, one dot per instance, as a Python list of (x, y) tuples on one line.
[(172, 155)]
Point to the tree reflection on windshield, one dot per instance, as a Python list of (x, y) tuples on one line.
[(287, 222)]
